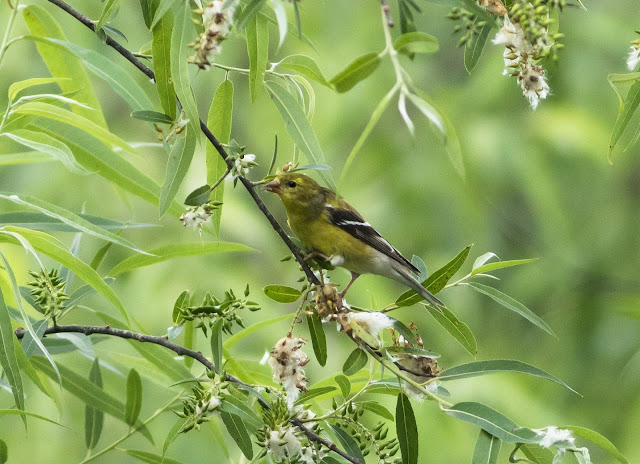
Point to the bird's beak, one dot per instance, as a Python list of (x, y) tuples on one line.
[(273, 186)]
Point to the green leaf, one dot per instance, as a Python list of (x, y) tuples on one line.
[(48, 245), (173, 434), (39, 221), (416, 42), (436, 281), (62, 64), (133, 402), (219, 123), (73, 220), (258, 49), (344, 384), (108, 10), (180, 37), (216, 344), (493, 422), (358, 70), (238, 432), (177, 166), (537, 454), (4, 452), (356, 361), (46, 144), (150, 458), (8, 358), (57, 113), (486, 450), (253, 328), (313, 392), (148, 8), (152, 116), (281, 18), (282, 294), (473, 51), (597, 439), (88, 392), (512, 304), (239, 407), (17, 87), (627, 110), (500, 265), (375, 117), (298, 127), (93, 418), (377, 408), (251, 9), (407, 430), (318, 338), (162, 12), (457, 329), (477, 368), (621, 83), (161, 52), (25, 157), (306, 66), (180, 250), (199, 196), (348, 443), (428, 111), (15, 412)]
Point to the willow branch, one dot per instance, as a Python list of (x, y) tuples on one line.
[(181, 351), (130, 56)]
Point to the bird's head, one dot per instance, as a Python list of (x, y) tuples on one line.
[(296, 190)]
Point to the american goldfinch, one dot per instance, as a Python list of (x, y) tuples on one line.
[(334, 230)]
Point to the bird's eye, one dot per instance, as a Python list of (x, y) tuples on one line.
[(291, 184)]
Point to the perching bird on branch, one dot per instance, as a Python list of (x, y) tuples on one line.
[(335, 231)]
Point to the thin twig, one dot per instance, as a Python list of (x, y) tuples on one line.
[(182, 351), (214, 141)]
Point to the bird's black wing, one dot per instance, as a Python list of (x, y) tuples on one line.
[(350, 221)]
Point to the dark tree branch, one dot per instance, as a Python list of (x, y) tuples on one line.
[(181, 351), (214, 141)]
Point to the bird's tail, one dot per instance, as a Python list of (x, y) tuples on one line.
[(405, 277)]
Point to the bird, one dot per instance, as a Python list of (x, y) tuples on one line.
[(333, 230)]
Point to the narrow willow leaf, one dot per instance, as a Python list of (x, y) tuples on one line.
[(96, 156), (486, 450), (180, 250), (314, 392), (536, 454), (477, 368), (258, 49), (377, 408), (457, 329), (177, 167), (62, 64), (181, 35), (282, 294), (512, 304), (4, 452), (358, 70), (219, 123), (348, 443), (375, 117), (150, 458), (57, 113), (148, 8), (173, 434), (620, 82), (627, 110), (48, 245), (407, 430), (100, 255), (152, 116), (161, 52), (238, 432), (93, 418), (108, 10), (15, 412), (416, 42), (281, 17), (356, 361), (597, 439), (216, 344), (437, 280), (252, 9), (473, 48), (428, 111), (88, 392), (199, 196), (69, 218), (46, 144), (500, 265), (133, 402), (239, 407), (43, 383), (344, 384), (17, 87), (253, 328), (318, 338), (493, 422), (29, 345), (162, 11), (298, 127), (304, 65), (8, 359), (39, 221), (25, 157)]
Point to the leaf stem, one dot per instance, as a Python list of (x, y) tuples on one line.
[(7, 32)]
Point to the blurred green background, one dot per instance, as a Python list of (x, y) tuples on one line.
[(538, 185)]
